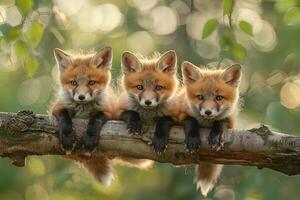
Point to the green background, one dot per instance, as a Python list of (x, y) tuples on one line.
[(261, 35)]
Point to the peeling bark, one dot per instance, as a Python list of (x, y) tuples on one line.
[(23, 134)]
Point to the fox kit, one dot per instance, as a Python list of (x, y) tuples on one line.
[(212, 98), (84, 93), (149, 84)]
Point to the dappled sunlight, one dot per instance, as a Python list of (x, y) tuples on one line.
[(13, 16), (142, 4), (265, 39), (262, 36), (36, 192), (141, 42), (164, 20), (290, 95)]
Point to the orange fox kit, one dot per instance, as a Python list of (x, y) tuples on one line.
[(212, 97), (84, 80), (84, 93), (149, 84)]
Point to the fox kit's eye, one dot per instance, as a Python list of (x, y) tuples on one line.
[(92, 82), (73, 82), (158, 87), (200, 97), (219, 97), (140, 87)]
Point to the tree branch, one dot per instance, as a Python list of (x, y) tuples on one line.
[(25, 134)]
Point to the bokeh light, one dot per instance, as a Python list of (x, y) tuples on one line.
[(164, 20), (141, 42), (290, 95), (267, 49)]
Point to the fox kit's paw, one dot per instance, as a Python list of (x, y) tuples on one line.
[(134, 128), (159, 144), (67, 138), (193, 143), (216, 141), (90, 142)]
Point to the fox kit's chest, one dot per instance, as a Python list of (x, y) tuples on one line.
[(148, 116), (204, 123), (84, 111)]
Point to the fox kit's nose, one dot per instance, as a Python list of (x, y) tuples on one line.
[(148, 102), (81, 97), (208, 112)]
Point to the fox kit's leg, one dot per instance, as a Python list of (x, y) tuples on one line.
[(66, 133), (161, 133), (216, 135), (133, 121), (93, 130), (192, 137)]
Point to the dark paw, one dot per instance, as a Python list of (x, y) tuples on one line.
[(90, 142), (159, 144), (68, 142), (216, 141), (134, 128), (193, 143)]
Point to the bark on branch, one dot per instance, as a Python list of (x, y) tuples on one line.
[(23, 134)]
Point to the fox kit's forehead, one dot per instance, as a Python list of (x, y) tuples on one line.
[(210, 85), (149, 77), (81, 68)]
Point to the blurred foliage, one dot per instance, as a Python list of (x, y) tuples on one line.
[(262, 35)]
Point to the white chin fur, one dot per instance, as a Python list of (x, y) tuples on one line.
[(87, 97), (214, 113), (153, 104)]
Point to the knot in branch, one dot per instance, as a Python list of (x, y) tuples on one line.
[(21, 122)]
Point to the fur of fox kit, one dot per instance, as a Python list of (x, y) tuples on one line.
[(85, 92), (157, 77), (211, 97)]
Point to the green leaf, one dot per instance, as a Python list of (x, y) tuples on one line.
[(238, 51), (13, 34), (31, 67), (292, 16), (35, 33), (227, 39), (209, 28), (21, 50), (227, 6), (246, 27), (25, 6), (5, 28)]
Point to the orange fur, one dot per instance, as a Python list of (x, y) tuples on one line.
[(150, 72), (202, 87), (82, 68)]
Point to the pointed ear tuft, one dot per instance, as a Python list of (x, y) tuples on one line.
[(103, 59), (62, 58), (190, 72), (232, 75), (130, 63), (168, 62)]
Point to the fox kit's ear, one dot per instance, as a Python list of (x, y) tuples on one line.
[(103, 59), (130, 63), (190, 72), (168, 62), (232, 75), (62, 58)]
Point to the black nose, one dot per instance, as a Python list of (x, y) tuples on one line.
[(208, 112), (81, 97), (148, 102)]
